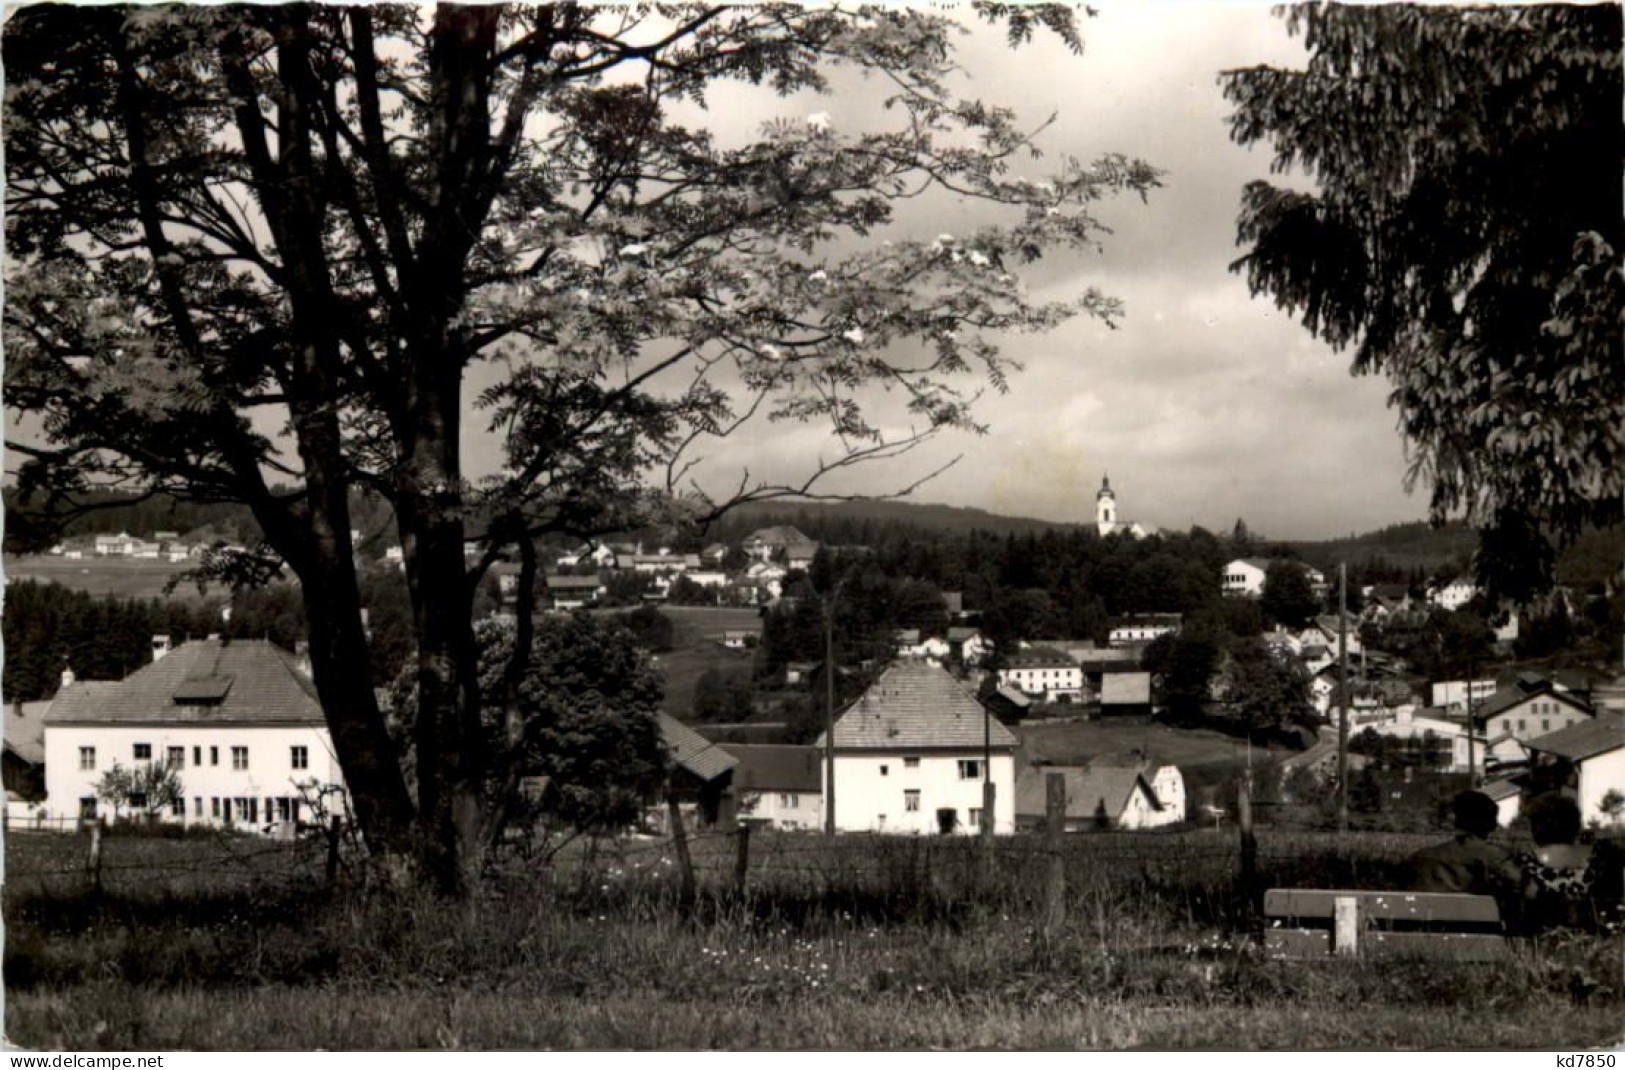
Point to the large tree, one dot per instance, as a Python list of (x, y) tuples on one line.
[(1463, 234), (258, 254)]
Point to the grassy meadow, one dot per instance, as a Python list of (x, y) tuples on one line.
[(873, 942), (113, 576)]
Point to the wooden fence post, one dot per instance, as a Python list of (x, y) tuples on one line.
[(1249, 852), (94, 862), (332, 850), (685, 864), (1054, 824), (742, 859)]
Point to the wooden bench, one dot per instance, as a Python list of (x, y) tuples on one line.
[(1304, 923)]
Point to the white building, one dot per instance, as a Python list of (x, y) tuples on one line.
[(1452, 596), (778, 785), (1459, 693), (236, 720), (1043, 673), (1107, 520), (1101, 797), (1144, 628), (972, 646), (1244, 576), (909, 757), (1529, 708), (1595, 751)]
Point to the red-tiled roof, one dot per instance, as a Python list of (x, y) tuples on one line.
[(255, 681), (915, 704)]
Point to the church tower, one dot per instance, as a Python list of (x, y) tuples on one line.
[(1105, 507)]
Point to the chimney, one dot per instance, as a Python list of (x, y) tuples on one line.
[(67, 677), (301, 659), (160, 646)]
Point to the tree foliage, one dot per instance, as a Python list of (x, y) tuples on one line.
[(1463, 235), (251, 243), (1288, 597)]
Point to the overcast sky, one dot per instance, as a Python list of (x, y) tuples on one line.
[(1207, 404)]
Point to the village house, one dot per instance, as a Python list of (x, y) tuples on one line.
[(1453, 595), (1144, 628), (911, 644), (236, 719), (1097, 797), (909, 756), (1244, 577), (574, 592), (1593, 751), (779, 786), (1528, 708), (1043, 673), (765, 544), (24, 763), (969, 644), (700, 782)]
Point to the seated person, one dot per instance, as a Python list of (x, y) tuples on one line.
[(1469, 862), (1563, 880)]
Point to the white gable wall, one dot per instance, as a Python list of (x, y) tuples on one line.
[(871, 791), (270, 772)]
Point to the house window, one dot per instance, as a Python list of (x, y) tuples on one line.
[(1545, 724), (885, 770), (1521, 725), (300, 757), (138, 800), (178, 807), (976, 819), (197, 806), (214, 807), (789, 801), (177, 757), (87, 808), (197, 755), (911, 801), (911, 763), (239, 757), (143, 752), (970, 769), (87, 757), (214, 755)]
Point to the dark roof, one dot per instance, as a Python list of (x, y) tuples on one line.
[(1603, 733), (1038, 657), (959, 635), (1526, 687), (915, 704), (247, 681), (25, 730), (777, 767), (573, 583), (778, 535), (1088, 789), (1500, 789), (692, 751)]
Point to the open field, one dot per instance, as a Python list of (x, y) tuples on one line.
[(1073, 741), (119, 577), (694, 650), (872, 943)]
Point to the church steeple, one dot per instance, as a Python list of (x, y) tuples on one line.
[(1105, 507)]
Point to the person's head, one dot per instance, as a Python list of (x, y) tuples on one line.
[(1476, 813), (1554, 819)]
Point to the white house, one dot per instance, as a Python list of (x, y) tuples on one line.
[(909, 757), (574, 592), (764, 543), (1529, 708), (973, 647), (1097, 796), (1245, 576), (778, 785), (1410, 725), (235, 718), (1452, 596), (1460, 693), (120, 545), (910, 644), (1595, 751), (1043, 673), (1144, 628)]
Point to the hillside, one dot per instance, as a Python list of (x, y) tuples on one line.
[(1406, 547), (928, 517)]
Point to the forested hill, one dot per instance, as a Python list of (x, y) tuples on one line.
[(845, 522), (1406, 547)]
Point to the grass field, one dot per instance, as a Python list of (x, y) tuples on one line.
[(873, 943), (694, 650), (120, 577), (1076, 741)]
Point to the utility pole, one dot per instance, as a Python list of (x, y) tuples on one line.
[(1472, 719), (987, 775), (1343, 698), (829, 713)]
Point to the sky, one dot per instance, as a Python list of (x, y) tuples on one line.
[(1205, 405)]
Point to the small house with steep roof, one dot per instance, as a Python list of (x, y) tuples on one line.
[(912, 753)]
